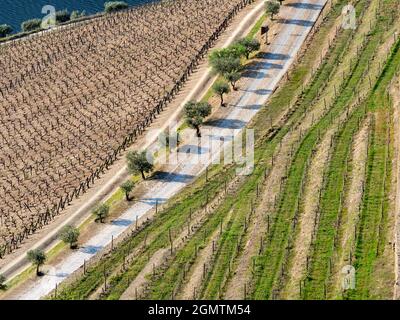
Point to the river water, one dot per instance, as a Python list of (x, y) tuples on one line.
[(14, 12)]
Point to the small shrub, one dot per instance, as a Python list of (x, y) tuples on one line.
[(113, 6)]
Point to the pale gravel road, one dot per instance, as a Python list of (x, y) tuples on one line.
[(256, 90)]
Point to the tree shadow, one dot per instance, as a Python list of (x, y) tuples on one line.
[(227, 123), (297, 22), (306, 6), (173, 176)]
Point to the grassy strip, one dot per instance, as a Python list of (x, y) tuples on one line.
[(373, 220)]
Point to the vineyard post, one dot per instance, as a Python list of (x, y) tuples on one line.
[(170, 239)]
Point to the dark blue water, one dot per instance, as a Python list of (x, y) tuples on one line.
[(14, 12)]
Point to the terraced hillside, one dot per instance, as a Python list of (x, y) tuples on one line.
[(73, 98), (321, 199)]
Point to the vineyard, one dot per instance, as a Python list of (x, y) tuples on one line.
[(320, 200), (72, 99)]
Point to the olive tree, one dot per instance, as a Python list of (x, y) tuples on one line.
[(250, 45), (221, 88), (195, 112), (37, 257), (138, 163), (70, 234), (227, 62), (272, 8), (101, 212), (127, 188), (5, 30)]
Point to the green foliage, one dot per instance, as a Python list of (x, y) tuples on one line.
[(221, 88), (31, 25), (139, 163), (37, 257), (272, 7), (250, 45), (127, 187), (5, 30), (113, 6), (70, 234), (76, 14), (101, 212), (195, 112)]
